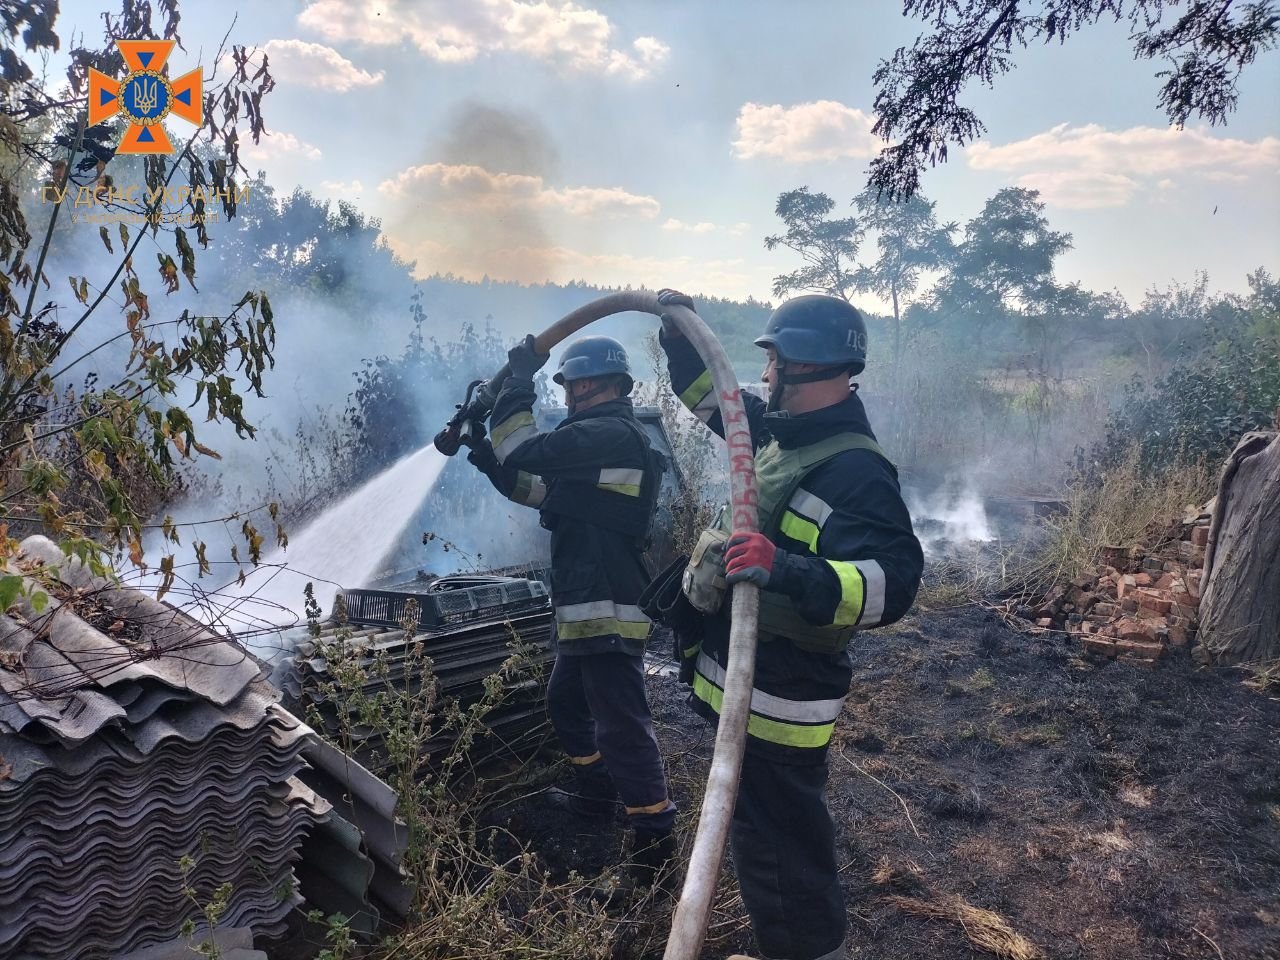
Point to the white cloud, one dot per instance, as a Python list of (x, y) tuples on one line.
[(1080, 190), (277, 146), (342, 189), (467, 188), (555, 31), (317, 66), (672, 225), (821, 130), (679, 226), (1092, 166)]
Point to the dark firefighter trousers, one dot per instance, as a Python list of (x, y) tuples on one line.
[(784, 855), (598, 708)]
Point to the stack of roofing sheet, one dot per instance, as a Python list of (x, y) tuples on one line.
[(461, 658), (132, 737)]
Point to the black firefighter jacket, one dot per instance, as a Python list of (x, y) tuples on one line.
[(860, 567), (592, 479)]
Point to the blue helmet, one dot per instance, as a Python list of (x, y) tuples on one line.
[(594, 357), (818, 329)]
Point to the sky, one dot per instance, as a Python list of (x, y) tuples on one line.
[(645, 142)]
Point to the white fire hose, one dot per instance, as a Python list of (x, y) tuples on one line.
[(689, 927)]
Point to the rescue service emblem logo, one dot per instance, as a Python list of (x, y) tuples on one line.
[(145, 97)]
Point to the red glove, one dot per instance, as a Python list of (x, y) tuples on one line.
[(750, 557)]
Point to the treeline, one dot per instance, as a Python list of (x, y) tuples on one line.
[(987, 354)]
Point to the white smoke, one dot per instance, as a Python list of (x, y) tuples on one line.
[(950, 517)]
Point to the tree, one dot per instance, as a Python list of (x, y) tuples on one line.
[(828, 247), (910, 242), (84, 462), (1004, 267), (1207, 46), (302, 242)]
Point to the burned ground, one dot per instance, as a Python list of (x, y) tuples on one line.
[(1103, 810)]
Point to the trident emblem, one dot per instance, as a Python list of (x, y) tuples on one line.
[(145, 96)]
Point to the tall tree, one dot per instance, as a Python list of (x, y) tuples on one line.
[(1206, 46), (828, 246), (909, 242), (1004, 267)]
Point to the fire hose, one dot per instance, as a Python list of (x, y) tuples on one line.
[(689, 926)]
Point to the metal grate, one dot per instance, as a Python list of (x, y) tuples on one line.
[(446, 607)]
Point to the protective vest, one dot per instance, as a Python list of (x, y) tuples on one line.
[(622, 498), (779, 473)]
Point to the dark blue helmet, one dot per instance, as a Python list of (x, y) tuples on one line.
[(818, 329), (594, 357)]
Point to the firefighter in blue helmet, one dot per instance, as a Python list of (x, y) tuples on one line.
[(595, 480), (835, 555)]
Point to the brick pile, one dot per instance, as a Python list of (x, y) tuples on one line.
[(1142, 604)]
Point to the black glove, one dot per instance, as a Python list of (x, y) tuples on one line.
[(482, 456), (524, 361), (668, 297)]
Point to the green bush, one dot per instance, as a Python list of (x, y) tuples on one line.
[(1200, 408)]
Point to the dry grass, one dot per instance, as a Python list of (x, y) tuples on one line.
[(1129, 507), (986, 930), (905, 877), (1263, 677)]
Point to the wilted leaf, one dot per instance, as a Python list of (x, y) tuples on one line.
[(166, 568), (39, 601), (106, 238)]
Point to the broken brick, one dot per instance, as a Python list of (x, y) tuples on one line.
[(1100, 645), (1153, 602), (1136, 648), (1141, 631), (1199, 536), (1193, 584)]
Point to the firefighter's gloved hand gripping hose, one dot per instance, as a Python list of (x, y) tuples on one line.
[(694, 910)]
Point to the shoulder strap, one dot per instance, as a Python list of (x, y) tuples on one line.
[(815, 455)]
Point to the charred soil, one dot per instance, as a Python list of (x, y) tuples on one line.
[(1102, 810)]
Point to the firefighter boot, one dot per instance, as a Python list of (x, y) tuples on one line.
[(592, 797), (651, 858)]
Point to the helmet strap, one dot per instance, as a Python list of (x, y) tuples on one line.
[(573, 399), (782, 380), (823, 373)]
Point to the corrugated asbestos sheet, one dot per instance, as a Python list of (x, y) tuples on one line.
[(461, 658), (132, 736)]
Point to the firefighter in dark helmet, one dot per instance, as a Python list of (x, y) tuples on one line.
[(595, 480), (835, 555)]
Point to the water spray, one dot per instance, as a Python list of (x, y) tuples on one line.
[(689, 927)]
